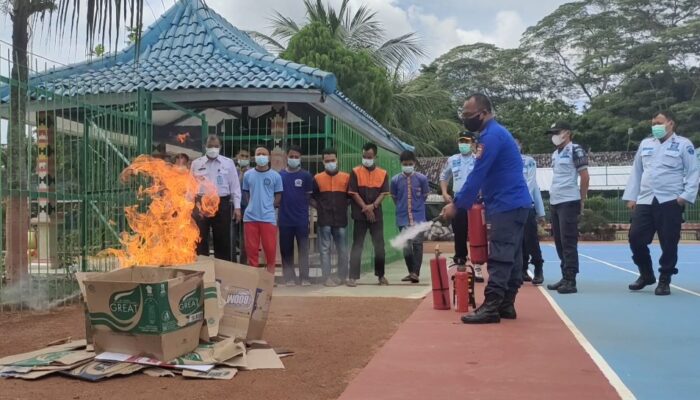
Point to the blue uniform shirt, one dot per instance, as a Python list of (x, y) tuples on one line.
[(566, 165), (665, 171), (262, 187), (409, 193), (530, 174), (458, 167), (498, 173), (294, 207)]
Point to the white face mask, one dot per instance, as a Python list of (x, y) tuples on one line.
[(262, 160), (368, 162), (213, 152), (331, 166), (244, 163), (558, 139)]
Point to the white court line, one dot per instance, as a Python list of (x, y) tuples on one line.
[(635, 273), (615, 381)]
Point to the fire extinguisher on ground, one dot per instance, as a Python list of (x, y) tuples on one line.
[(441, 286), (463, 288)]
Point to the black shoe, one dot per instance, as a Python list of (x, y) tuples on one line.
[(568, 287), (507, 308), (526, 277), (664, 287), (539, 276), (459, 260), (413, 278), (556, 286), (407, 278), (487, 313), (642, 282)]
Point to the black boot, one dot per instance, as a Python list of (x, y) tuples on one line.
[(664, 287), (642, 282), (556, 285), (507, 307), (569, 285), (487, 313), (526, 276), (539, 275)]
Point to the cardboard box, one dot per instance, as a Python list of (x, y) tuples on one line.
[(156, 312), (246, 293), (212, 310)]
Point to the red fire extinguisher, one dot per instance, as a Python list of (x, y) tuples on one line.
[(464, 288), (478, 242), (441, 286)]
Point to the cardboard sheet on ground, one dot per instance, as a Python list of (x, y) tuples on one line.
[(97, 370), (117, 357), (159, 373), (211, 353), (216, 373), (262, 359), (60, 355)]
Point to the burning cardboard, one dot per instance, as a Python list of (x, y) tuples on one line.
[(156, 312)]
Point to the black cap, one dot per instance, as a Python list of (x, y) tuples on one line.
[(558, 127), (466, 135)]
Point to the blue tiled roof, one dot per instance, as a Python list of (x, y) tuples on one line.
[(189, 47)]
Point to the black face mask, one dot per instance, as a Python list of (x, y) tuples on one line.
[(474, 123)]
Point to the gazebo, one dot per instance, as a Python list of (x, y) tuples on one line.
[(190, 74)]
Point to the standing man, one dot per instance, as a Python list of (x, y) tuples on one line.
[(182, 160), (243, 163), (664, 179), (498, 173), (221, 172), (330, 198), (410, 190), (294, 217), (566, 198), (458, 168), (262, 190), (532, 253), (368, 186)]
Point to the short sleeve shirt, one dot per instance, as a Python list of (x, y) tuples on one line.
[(294, 208), (262, 187)]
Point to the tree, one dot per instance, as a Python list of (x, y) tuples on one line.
[(358, 76), (357, 31), (101, 15), (529, 120)]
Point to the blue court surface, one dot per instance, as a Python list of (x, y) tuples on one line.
[(651, 342)]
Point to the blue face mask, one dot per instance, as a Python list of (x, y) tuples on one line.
[(262, 160), (465, 148), (293, 163), (658, 131), (331, 166)]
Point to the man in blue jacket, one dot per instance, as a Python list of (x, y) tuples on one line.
[(498, 173)]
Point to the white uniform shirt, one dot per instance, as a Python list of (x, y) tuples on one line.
[(220, 171), (665, 171), (530, 173), (457, 167), (566, 165)]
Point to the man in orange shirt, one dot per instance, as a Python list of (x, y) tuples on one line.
[(368, 186)]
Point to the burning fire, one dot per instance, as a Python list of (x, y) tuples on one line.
[(166, 233), (182, 137)]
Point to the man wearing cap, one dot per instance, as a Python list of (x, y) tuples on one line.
[(664, 179), (458, 167), (566, 198), (498, 174)]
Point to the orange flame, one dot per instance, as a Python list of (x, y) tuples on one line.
[(166, 233), (182, 137)]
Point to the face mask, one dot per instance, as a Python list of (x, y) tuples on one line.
[(408, 169), (368, 162), (473, 124), (658, 131), (557, 139), (244, 163), (465, 148), (262, 160), (213, 152), (293, 162), (331, 166)]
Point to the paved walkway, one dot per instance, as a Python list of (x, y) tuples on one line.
[(434, 356)]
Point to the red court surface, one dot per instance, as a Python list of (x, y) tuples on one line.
[(433, 355)]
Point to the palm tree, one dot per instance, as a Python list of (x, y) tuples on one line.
[(359, 30), (102, 16)]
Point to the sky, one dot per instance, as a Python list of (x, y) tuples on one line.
[(440, 24)]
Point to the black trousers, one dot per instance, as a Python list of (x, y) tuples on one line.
[(531, 242), (505, 252), (220, 225), (460, 225), (376, 230), (565, 232), (664, 219)]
